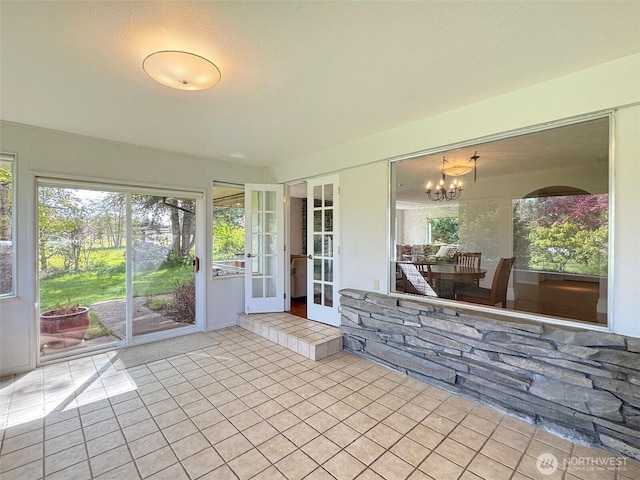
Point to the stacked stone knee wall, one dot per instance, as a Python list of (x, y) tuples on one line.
[(582, 384)]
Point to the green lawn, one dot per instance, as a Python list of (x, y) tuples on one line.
[(97, 257), (91, 286)]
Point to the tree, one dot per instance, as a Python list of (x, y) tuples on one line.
[(228, 232), (110, 219), (48, 224), (445, 230), (6, 220), (6, 194), (154, 212), (562, 233), (589, 211), (554, 245), (63, 222)]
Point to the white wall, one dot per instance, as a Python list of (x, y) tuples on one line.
[(363, 227), (365, 184), (225, 300), (46, 153)]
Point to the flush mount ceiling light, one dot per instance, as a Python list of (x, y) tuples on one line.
[(181, 70), (460, 168)]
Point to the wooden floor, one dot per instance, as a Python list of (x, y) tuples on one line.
[(299, 307), (576, 300), (564, 298)]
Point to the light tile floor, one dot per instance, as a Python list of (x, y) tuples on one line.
[(249, 408)]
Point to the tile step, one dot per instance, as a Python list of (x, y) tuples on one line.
[(310, 339)]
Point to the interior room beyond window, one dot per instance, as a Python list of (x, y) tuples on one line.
[(537, 201)]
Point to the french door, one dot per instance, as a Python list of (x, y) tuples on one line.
[(266, 265), (323, 201), (264, 244), (126, 255)]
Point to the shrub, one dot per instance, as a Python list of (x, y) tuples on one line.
[(66, 308), (177, 259), (184, 301)]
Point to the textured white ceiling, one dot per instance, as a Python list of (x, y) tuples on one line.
[(297, 77)]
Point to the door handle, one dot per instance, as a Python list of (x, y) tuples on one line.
[(249, 255), (310, 257), (196, 265)]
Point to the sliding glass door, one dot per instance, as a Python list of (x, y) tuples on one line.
[(115, 265), (163, 251)]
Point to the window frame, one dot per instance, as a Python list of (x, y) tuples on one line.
[(479, 141), (12, 159)]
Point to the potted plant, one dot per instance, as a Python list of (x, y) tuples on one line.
[(65, 325)]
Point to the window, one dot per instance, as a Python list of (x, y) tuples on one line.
[(228, 229), (443, 225), (537, 201), (7, 225)]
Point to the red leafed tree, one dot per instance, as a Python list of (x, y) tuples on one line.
[(585, 210)]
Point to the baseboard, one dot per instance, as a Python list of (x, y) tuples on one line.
[(224, 325)]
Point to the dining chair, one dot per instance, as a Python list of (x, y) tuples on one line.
[(490, 296), (468, 259)]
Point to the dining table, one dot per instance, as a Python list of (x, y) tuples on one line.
[(446, 277)]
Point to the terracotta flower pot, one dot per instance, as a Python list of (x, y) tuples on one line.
[(62, 331)]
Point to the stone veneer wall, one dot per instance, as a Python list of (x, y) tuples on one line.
[(579, 383)]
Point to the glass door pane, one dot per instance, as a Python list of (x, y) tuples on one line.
[(81, 257), (162, 249), (263, 242), (323, 245)]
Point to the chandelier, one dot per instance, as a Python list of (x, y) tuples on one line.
[(454, 189)]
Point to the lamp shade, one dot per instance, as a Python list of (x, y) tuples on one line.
[(181, 70), (456, 170)]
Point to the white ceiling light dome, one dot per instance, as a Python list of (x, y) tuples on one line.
[(181, 70)]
